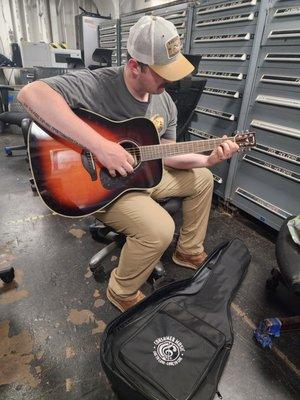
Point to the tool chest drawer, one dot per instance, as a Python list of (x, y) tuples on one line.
[(280, 58), (240, 37), (266, 189), (213, 125), (283, 26), (229, 104), (230, 19), (223, 56), (213, 9)]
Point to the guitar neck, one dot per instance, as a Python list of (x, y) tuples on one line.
[(158, 151)]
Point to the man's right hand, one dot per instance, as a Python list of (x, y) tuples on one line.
[(114, 157), (56, 115)]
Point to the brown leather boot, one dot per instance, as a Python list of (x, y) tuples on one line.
[(124, 303), (187, 260)]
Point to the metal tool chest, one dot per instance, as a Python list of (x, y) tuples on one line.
[(266, 181), (109, 38), (251, 59), (223, 34)]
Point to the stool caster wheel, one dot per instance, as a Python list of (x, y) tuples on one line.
[(99, 233), (33, 187), (157, 276), (158, 272), (273, 282), (98, 272), (7, 275), (8, 152), (100, 276)]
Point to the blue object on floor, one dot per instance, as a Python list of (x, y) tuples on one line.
[(267, 329)]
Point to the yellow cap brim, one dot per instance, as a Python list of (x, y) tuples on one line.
[(175, 70)]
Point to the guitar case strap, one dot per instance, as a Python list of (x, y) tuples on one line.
[(174, 344)]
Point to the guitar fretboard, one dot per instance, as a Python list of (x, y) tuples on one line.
[(159, 151)]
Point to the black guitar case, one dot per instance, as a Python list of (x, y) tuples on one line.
[(175, 343)]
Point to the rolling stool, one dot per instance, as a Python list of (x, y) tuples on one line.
[(288, 259), (17, 119), (105, 234), (287, 273)]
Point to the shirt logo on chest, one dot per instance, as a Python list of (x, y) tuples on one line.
[(158, 122)]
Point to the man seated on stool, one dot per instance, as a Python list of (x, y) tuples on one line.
[(136, 90)]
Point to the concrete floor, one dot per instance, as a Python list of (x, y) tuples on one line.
[(52, 316)]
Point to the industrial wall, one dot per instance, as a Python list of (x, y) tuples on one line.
[(45, 20)]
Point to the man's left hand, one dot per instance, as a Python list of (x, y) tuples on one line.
[(222, 152)]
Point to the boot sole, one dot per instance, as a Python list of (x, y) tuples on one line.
[(183, 264)]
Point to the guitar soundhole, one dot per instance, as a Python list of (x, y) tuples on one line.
[(134, 150), (119, 182)]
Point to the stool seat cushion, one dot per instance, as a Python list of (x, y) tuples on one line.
[(13, 117), (171, 204)]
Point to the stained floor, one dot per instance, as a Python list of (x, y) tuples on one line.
[(53, 314)]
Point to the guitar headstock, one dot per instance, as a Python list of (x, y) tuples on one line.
[(245, 139)]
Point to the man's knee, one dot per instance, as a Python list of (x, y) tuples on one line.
[(204, 179), (161, 233)]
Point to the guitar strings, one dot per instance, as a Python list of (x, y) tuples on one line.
[(152, 148)]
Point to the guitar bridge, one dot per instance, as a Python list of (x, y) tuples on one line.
[(89, 164)]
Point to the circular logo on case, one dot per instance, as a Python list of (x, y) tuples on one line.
[(168, 351)]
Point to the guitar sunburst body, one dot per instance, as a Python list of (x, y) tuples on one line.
[(72, 183)]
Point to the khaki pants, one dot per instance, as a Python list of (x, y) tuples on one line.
[(149, 228)]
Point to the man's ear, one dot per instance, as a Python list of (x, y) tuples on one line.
[(134, 66)]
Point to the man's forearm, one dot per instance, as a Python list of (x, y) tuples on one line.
[(52, 112), (187, 161)]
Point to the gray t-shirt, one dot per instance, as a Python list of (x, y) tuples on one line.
[(104, 91)]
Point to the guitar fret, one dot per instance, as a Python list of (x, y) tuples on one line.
[(159, 151), (172, 149)]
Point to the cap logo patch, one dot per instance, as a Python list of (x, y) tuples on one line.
[(173, 46)]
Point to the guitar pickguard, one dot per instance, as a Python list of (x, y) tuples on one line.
[(116, 183)]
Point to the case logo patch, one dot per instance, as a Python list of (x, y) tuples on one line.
[(168, 351)]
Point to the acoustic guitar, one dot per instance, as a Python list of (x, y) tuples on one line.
[(72, 183)]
